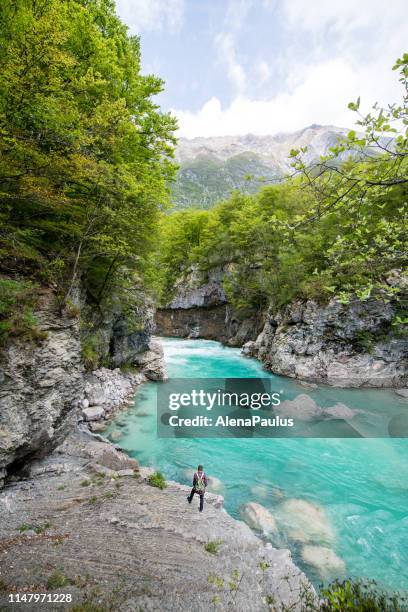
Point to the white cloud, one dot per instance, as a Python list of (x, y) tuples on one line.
[(236, 13), (321, 97), (225, 42), (350, 49), (263, 72), (225, 45), (150, 15), (343, 16)]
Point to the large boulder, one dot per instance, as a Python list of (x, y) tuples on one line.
[(152, 361), (93, 413), (305, 522), (325, 561), (259, 518)]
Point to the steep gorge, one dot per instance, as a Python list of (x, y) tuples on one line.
[(346, 345)]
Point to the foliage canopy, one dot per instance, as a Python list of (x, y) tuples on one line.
[(85, 152)]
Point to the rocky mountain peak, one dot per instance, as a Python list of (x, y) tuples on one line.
[(211, 167)]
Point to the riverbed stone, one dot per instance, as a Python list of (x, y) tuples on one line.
[(339, 411), (324, 560), (97, 426), (93, 413), (214, 484), (303, 407), (115, 435), (305, 522), (259, 518)]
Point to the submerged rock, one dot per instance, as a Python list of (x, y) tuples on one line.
[(214, 484), (324, 560), (260, 490), (115, 435), (302, 407), (259, 518), (305, 522), (339, 411)]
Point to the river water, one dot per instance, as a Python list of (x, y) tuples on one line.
[(361, 485)]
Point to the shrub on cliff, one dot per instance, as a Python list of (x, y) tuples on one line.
[(361, 596), (157, 480), (17, 300)]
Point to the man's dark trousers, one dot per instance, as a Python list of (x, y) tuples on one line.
[(201, 494)]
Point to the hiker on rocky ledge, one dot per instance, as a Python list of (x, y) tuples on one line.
[(200, 483)]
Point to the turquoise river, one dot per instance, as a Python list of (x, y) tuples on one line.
[(360, 484)]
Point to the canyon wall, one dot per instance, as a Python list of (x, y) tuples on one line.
[(359, 344), (345, 345), (46, 385)]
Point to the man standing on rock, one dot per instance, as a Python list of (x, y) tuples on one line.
[(200, 483)]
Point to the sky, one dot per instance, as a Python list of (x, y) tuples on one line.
[(268, 66)]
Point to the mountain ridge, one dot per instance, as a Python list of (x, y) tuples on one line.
[(212, 167)]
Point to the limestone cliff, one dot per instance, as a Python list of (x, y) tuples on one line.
[(346, 345), (349, 345), (38, 386), (199, 309), (44, 386)]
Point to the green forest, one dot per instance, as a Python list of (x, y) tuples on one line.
[(86, 155), (331, 229), (87, 168)]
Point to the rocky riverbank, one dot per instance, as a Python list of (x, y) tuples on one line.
[(85, 522), (106, 391), (359, 344), (45, 387), (345, 345)]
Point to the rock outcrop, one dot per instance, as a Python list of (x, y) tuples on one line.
[(199, 309), (44, 387), (151, 361), (87, 498), (346, 345), (119, 331), (38, 387)]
